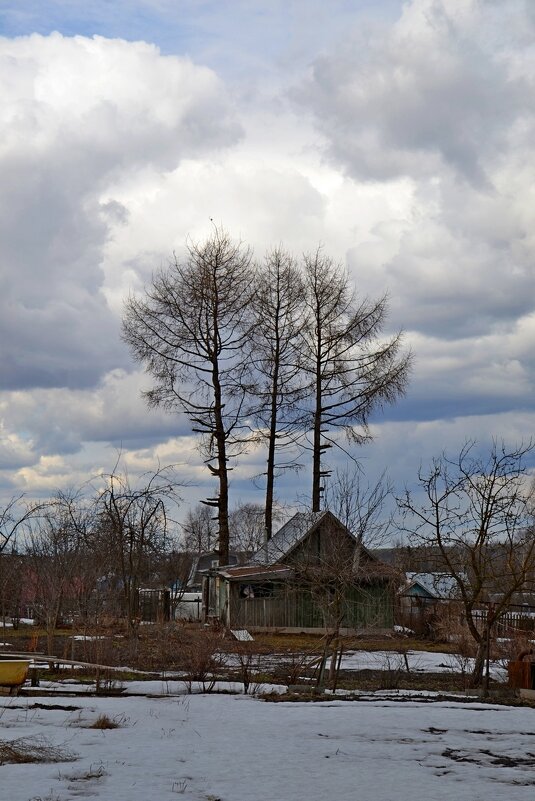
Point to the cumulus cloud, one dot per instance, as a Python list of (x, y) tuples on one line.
[(436, 89), (406, 151), (76, 114), (461, 263), (61, 420), (442, 100)]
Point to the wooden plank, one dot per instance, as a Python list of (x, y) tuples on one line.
[(76, 663), (241, 634)]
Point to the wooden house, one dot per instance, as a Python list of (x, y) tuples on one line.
[(312, 574)]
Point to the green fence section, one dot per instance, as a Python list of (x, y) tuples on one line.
[(299, 609)]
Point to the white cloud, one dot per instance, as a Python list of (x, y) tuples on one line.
[(76, 114), (433, 90)]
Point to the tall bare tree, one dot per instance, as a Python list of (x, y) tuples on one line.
[(351, 370), (477, 512), (191, 332), (11, 585), (278, 315)]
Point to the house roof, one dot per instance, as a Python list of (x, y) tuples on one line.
[(287, 538), (204, 561), (436, 585), (268, 562)]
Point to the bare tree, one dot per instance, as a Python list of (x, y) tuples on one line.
[(53, 552), (191, 331), (278, 315), (351, 370), (199, 530), (247, 532), (77, 509), (360, 505), (14, 516), (478, 514), (341, 577), (12, 583), (134, 527)]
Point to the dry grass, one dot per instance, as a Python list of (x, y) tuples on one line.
[(26, 750), (104, 722), (371, 642)]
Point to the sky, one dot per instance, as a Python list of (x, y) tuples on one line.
[(397, 135)]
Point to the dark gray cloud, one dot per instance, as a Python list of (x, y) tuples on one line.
[(60, 420), (53, 315)]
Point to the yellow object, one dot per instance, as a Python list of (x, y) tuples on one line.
[(13, 672)]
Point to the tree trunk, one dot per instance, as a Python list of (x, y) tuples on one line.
[(270, 473), (318, 408), (476, 677), (316, 440), (222, 511)]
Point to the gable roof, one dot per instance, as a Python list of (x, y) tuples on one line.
[(289, 536)]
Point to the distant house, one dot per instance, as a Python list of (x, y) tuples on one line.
[(430, 586), (421, 597), (206, 560), (312, 574)]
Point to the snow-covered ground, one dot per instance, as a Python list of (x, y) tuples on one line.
[(239, 748), (419, 662)]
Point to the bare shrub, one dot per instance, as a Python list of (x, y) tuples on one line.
[(296, 667), (203, 660), (393, 667), (249, 664), (165, 645), (449, 627), (96, 646), (105, 722)]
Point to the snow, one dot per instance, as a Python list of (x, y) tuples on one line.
[(403, 630), (419, 662), (239, 748)]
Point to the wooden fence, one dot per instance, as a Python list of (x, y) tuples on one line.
[(516, 620), (299, 610), (420, 615)]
